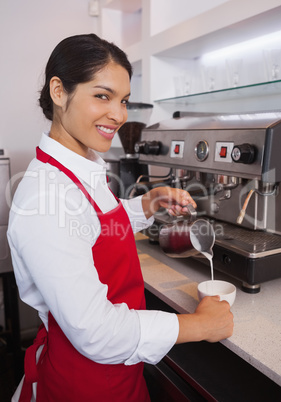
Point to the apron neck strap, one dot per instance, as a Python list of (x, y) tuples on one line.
[(46, 158)]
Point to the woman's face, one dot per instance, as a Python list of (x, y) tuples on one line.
[(91, 116)]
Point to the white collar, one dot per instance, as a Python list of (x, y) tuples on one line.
[(86, 169)]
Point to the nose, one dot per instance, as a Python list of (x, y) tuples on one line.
[(118, 113)]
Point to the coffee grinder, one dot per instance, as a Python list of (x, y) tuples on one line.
[(123, 167)]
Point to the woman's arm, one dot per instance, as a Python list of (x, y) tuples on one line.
[(212, 321)]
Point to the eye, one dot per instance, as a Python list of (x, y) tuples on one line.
[(125, 101), (101, 96)]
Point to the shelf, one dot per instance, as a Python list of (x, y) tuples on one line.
[(178, 46), (209, 31), (244, 92)]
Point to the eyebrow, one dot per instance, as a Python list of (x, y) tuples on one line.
[(110, 90)]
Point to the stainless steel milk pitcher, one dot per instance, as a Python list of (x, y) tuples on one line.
[(183, 238)]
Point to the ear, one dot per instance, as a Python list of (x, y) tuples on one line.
[(57, 92)]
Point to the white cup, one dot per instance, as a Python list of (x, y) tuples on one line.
[(179, 83), (224, 289), (273, 64), (234, 72), (209, 77)]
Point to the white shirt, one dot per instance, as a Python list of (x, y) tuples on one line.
[(52, 230)]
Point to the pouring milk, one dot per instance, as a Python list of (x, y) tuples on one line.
[(202, 237)]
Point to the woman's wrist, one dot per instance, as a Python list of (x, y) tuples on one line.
[(150, 202), (189, 328)]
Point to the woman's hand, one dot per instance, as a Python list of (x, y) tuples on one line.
[(212, 322), (175, 200)]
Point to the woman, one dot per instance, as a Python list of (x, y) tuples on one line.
[(73, 248)]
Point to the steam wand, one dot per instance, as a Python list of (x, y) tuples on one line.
[(240, 218), (241, 215)]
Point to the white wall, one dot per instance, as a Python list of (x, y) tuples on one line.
[(29, 30)]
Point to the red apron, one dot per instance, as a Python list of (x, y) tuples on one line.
[(62, 373)]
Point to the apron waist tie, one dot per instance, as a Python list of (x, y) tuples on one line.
[(30, 365)]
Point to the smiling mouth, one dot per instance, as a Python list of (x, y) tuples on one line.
[(106, 131)]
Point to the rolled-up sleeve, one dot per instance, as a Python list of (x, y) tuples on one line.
[(152, 346), (136, 215)]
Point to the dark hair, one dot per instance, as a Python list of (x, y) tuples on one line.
[(76, 60)]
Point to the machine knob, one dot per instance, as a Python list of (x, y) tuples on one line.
[(244, 153), (148, 147)]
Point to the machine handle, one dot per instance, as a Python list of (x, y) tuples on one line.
[(148, 147)]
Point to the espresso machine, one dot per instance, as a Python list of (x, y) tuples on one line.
[(231, 166)]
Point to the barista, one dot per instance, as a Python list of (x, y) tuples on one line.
[(73, 247)]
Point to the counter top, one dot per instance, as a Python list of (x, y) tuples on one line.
[(257, 317)]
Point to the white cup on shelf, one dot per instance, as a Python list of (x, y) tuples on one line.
[(188, 78), (179, 85), (183, 82), (209, 75), (272, 60), (234, 69)]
